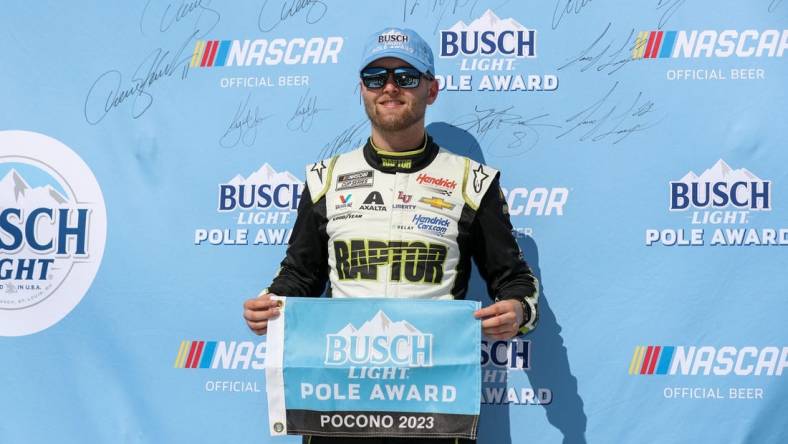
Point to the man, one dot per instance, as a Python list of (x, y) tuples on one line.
[(402, 217)]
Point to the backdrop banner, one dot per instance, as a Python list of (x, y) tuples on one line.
[(152, 160), (374, 367)]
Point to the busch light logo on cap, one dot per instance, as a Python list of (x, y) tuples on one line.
[(53, 227)]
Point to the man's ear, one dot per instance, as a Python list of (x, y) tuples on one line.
[(433, 92)]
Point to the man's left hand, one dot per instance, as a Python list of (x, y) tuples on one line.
[(502, 319)]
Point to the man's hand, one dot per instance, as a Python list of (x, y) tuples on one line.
[(258, 311), (502, 319)]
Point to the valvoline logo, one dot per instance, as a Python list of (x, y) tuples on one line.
[(379, 341), (488, 36)]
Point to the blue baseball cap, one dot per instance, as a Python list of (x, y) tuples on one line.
[(402, 43)]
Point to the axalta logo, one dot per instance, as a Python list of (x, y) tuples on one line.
[(710, 44), (440, 182), (259, 52), (488, 35), (226, 355), (537, 201), (265, 197), (707, 360), (720, 196), (53, 226), (380, 341), (720, 187)]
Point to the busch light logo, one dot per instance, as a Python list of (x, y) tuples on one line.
[(488, 36), (488, 51), (720, 187), (265, 197), (53, 227), (380, 341), (263, 189), (720, 204), (392, 37)]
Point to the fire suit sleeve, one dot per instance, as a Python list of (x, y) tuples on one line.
[(499, 258), (304, 270)]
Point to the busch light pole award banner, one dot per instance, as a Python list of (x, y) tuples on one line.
[(364, 367)]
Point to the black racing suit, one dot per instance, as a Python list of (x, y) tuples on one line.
[(404, 225)]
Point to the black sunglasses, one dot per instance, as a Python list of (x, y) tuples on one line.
[(405, 77)]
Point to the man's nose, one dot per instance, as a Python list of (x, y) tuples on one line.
[(391, 84)]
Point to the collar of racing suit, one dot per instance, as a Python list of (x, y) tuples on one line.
[(401, 161)]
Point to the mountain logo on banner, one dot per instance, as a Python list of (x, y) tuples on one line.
[(488, 51), (15, 189), (264, 197), (263, 189), (720, 186), (722, 206), (488, 35), (53, 228), (380, 341)]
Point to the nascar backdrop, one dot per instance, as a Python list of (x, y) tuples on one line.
[(151, 163)]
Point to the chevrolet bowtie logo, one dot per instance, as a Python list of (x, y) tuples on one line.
[(437, 202)]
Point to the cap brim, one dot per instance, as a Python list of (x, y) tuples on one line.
[(412, 61)]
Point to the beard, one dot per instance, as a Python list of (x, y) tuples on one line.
[(409, 115)]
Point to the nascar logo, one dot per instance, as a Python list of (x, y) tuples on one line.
[(721, 361), (709, 43)]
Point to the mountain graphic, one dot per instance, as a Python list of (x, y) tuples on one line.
[(721, 172), (265, 175), (489, 22), (380, 325), (14, 190)]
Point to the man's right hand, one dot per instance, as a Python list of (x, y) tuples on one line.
[(258, 311)]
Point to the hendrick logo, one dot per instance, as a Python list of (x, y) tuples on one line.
[(380, 341), (53, 227), (440, 182)]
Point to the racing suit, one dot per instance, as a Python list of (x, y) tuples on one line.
[(403, 225)]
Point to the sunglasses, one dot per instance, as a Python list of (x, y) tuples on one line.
[(405, 77)]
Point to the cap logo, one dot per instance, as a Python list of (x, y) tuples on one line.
[(388, 38)]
